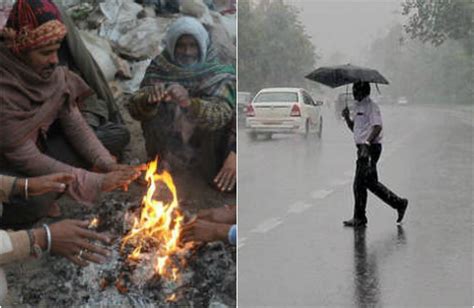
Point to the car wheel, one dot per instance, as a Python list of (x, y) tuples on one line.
[(306, 129), (252, 136)]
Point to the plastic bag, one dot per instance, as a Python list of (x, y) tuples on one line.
[(121, 17), (198, 9), (138, 71), (144, 41), (101, 52)]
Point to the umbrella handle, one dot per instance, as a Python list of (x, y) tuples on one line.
[(347, 94)]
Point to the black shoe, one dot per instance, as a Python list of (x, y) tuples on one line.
[(355, 223), (402, 209)]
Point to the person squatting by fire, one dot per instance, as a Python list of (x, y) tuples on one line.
[(40, 98), (186, 104), (187, 98), (187, 101)]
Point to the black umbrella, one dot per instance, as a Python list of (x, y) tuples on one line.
[(336, 76)]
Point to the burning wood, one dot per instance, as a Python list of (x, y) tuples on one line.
[(204, 275), (193, 275), (121, 284), (155, 232)]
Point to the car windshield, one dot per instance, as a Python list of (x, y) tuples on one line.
[(281, 97)]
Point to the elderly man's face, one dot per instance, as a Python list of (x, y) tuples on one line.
[(186, 51), (42, 60)]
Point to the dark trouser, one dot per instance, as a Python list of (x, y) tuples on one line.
[(212, 152), (204, 151), (114, 137), (19, 213), (366, 178)]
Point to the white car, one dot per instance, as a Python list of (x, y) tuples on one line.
[(243, 99), (284, 110)]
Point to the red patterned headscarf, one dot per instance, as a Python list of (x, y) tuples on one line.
[(33, 24)]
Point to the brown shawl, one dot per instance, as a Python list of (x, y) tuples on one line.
[(27, 100), (28, 104)]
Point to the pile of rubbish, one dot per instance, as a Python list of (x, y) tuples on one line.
[(124, 36)]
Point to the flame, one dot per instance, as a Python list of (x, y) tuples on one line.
[(94, 223), (158, 226), (171, 298)]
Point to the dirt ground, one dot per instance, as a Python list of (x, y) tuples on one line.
[(209, 278)]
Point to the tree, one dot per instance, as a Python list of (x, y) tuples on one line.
[(422, 72), (435, 21), (274, 49)]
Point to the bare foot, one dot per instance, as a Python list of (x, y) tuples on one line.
[(200, 230), (54, 210), (225, 214)]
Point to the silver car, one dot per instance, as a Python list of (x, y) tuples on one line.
[(284, 110)]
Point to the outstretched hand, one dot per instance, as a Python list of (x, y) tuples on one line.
[(225, 179), (176, 92), (156, 94), (56, 182), (199, 230), (119, 178), (72, 239)]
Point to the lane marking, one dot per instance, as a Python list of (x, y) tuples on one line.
[(241, 242), (267, 225), (299, 206), (321, 194)]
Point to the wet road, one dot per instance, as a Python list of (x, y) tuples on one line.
[(294, 194)]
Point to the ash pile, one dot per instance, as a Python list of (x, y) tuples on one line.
[(206, 277)]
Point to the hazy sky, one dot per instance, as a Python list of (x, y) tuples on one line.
[(347, 26)]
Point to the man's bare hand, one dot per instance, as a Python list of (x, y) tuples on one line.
[(226, 214), (72, 239), (56, 182), (345, 112), (179, 94), (200, 230), (124, 167), (120, 178), (156, 94), (225, 179)]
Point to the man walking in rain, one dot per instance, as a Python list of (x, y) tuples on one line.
[(367, 129)]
